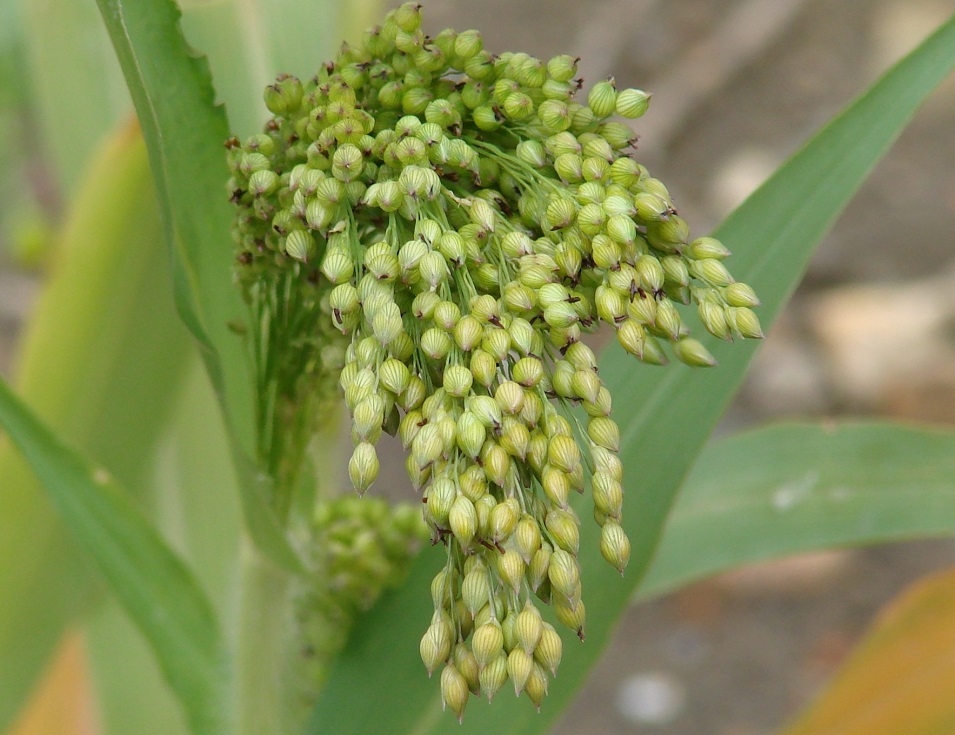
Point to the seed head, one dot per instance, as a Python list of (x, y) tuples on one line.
[(432, 230)]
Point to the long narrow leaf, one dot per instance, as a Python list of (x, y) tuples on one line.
[(782, 490), (155, 587), (103, 350), (184, 131), (665, 416), (76, 87), (197, 509)]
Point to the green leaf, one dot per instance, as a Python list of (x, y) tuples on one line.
[(103, 350), (665, 416), (785, 489), (149, 579), (900, 678), (184, 131), (249, 43), (76, 86), (131, 693), (197, 508)]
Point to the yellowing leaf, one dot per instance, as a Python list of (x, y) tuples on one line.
[(901, 678), (62, 703)]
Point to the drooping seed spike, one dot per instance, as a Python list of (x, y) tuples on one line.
[(432, 230)]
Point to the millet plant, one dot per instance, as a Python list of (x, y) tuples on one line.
[(422, 235)]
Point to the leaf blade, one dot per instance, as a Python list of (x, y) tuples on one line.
[(196, 506), (153, 584), (184, 129), (104, 348), (791, 488), (669, 419)]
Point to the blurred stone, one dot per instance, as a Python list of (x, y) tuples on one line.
[(700, 604), (687, 646), (930, 399), (787, 375), (741, 729), (795, 575), (878, 339), (738, 176), (653, 698)]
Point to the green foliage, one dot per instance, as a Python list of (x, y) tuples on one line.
[(77, 89), (99, 362), (196, 505), (785, 489), (155, 587), (184, 132)]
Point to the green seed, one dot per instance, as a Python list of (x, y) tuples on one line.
[(614, 545)]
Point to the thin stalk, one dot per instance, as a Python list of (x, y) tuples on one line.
[(272, 696), (264, 646)]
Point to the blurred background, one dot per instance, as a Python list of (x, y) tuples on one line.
[(738, 86)]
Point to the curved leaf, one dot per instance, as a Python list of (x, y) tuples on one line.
[(104, 349), (184, 131), (149, 579), (196, 507), (785, 489), (900, 679), (76, 87), (664, 415)]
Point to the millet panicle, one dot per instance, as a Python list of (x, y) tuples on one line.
[(448, 223)]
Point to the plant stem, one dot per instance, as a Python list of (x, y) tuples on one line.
[(266, 633)]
